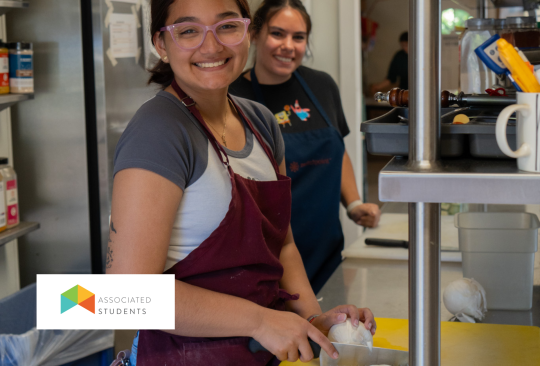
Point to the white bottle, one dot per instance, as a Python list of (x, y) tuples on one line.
[(11, 193), (475, 77)]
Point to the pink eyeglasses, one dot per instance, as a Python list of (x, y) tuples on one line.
[(228, 32)]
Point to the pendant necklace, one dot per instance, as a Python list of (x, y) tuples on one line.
[(224, 125)]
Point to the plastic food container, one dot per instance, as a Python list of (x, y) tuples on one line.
[(498, 251), (475, 76), (389, 134), (525, 33)]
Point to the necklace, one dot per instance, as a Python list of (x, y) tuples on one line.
[(223, 134), (224, 125)]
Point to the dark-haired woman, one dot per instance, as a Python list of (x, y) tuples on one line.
[(308, 108), (200, 192)]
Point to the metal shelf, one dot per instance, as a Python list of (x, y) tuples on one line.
[(7, 100), (22, 229), (6, 5), (460, 181)]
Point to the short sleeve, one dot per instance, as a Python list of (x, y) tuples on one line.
[(265, 123), (340, 120), (279, 144), (342, 125), (155, 140)]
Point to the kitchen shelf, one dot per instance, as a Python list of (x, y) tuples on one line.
[(7, 100), (22, 229), (6, 5), (459, 181)]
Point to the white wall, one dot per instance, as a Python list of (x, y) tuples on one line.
[(325, 37), (350, 70)]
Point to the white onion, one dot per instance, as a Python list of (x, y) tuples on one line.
[(466, 299), (349, 334)]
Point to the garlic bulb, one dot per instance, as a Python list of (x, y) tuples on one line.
[(349, 334), (466, 299)]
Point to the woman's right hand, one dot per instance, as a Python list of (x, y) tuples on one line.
[(285, 334)]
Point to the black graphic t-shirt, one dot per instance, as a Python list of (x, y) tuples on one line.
[(291, 105)]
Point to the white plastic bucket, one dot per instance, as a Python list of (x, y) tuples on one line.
[(498, 251)]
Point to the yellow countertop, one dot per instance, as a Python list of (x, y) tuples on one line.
[(465, 344)]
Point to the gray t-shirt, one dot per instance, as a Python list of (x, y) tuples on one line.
[(164, 137)]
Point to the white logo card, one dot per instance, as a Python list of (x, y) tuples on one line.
[(109, 301)]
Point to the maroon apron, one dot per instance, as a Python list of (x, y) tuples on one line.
[(240, 258)]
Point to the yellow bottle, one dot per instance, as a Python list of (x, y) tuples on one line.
[(4, 68)]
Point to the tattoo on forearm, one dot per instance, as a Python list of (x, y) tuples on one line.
[(109, 259), (109, 256)]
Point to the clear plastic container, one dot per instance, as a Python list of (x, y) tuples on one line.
[(498, 252), (11, 195), (498, 25), (507, 32), (475, 76), (525, 33)]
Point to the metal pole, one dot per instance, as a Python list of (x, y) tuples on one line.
[(481, 9), (424, 276), (424, 218)]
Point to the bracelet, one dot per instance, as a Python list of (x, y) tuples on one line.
[(353, 205), (312, 318)]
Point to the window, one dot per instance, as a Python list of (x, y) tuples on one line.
[(452, 18)]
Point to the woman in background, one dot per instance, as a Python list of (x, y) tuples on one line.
[(307, 106)]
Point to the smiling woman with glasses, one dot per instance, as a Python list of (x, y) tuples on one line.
[(200, 192)]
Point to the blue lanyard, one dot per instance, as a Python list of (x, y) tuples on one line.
[(260, 97)]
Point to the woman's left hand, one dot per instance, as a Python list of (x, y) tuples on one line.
[(366, 214), (339, 314)]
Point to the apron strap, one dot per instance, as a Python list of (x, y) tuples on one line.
[(313, 98), (257, 136), (190, 105), (257, 87)]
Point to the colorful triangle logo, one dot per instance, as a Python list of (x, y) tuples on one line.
[(77, 295)]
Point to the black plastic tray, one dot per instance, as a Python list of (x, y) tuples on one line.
[(389, 135)]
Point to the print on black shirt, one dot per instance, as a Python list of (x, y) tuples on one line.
[(292, 107), (283, 116)]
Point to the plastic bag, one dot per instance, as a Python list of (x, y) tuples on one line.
[(52, 347), (475, 76)]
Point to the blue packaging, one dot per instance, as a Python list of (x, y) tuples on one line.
[(21, 67)]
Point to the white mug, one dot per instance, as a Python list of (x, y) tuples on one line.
[(527, 123)]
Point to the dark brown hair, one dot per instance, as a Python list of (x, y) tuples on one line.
[(162, 72), (269, 8)]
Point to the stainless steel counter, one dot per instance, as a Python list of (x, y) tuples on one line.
[(459, 181), (382, 286)]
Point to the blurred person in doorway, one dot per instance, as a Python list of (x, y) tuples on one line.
[(399, 68)]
